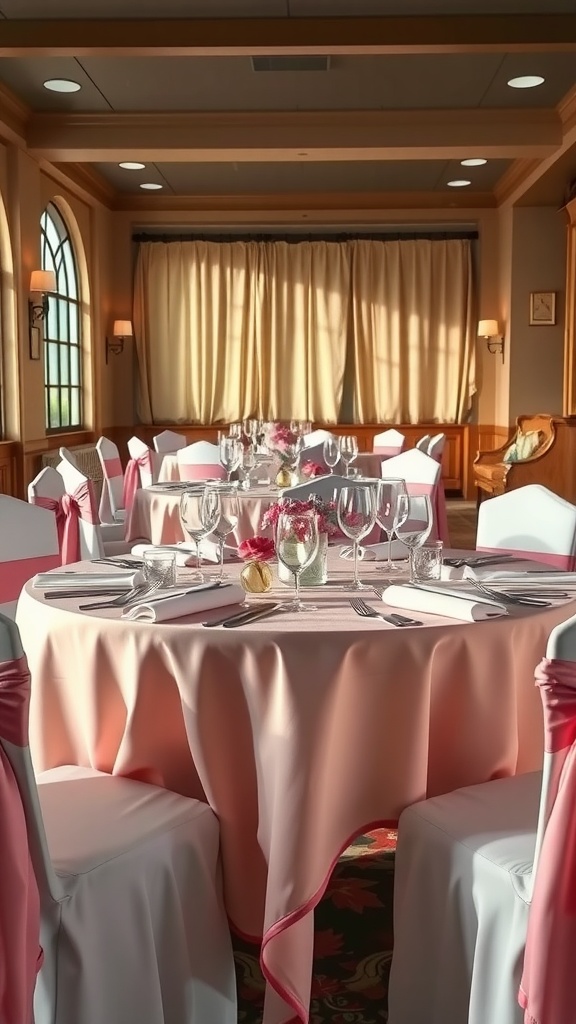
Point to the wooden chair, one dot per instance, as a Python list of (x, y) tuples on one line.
[(493, 475)]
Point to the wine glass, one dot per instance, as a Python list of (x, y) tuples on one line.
[(415, 522), (389, 490), (228, 514), (356, 516), (297, 542), (235, 430), (348, 450), (198, 515), (248, 464), (230, 454), (331, 452)]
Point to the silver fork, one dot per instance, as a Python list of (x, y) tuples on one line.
[(506, 598), (363, 609), (143, 590)]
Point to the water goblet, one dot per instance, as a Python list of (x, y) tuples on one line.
[(235, 430), (297, 542), (198, 515), (228, 514), (348, 450), (389, 490), (230, 454), (356, 516), (415, 522), (331, 452), (248, 465)]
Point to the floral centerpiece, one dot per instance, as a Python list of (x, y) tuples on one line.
[(309, 469), (256, 576), (285, 444), (316, 573)]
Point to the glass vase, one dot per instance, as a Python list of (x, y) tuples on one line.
[(256, 577), (315, 574)]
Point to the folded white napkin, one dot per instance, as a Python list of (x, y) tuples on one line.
[(531, 577), (186, 552), (376, 552), (469, 608), (87, 580), (202, 598)]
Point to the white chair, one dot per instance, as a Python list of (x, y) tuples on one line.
[(111, 510), (326, 487), (200, 461), (389, 442), (112, 534), (168, 441), (141, 471), (316, 437), (469, 865), (28, 544), (436, 446), (531, 521), (422, 444), (132, 923), (68, 456), (422, 476), (315, 454), (83, 535)]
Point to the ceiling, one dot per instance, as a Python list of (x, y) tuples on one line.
[(411, 88)]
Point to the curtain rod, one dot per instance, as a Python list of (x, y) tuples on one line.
[(294, 239)]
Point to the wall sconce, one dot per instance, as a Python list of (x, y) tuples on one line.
[(42, 281), (122, 329), (494, 340)]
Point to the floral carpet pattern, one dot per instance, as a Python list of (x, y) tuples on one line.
[(352, 941)]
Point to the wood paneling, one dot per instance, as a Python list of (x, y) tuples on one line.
[(8, 467)]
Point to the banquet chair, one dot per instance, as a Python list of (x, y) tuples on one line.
[(530, 521), (479, 869), (315, 437), (83, 535), (28, 544), (326, 487), (422, 476), (422, 443), (110, 510), (168, 441), (112, 533), (200, 461), (436, 446), (389, 442), (315, 455), (141, 470), (68, 456), (132, 923)]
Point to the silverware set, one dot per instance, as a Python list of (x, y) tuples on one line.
[(244, 617), (477, 561), (366, 612), (505, 597), (140, 593)]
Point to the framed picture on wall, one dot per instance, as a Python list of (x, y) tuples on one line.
[(35, 339), (542, 308)]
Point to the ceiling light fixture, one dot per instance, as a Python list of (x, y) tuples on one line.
[(62, 85), (132, 165), (475, 161), (458, 183), (525, 82), (152, 185)]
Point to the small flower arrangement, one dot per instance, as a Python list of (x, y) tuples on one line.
[(310, 469), (283, 442), (325, 510), (257, 549), (256, 576)]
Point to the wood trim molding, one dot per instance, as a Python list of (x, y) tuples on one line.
[(569, 399), (352, 207), (87, 183), (9, 451)]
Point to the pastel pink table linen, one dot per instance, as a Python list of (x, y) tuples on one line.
[(155, 515), (301, 731)]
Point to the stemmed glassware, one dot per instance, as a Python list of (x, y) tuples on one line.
[(228, 514), (348, 450), (415, 522), (235, 430), (248, 464), (356, 513), (297, 542), (388, 513), (199, 515), (331, 452), (230, 454)]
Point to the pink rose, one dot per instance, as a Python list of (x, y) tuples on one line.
[(312, 469), (259, 549)]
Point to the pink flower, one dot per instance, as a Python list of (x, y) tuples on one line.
[(312, 469), (259, 549), (325, 510)]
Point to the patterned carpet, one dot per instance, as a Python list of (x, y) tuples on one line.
[(353, 921)]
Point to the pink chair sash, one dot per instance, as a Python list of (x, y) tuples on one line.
[(132, 477), (547, 992), (388, 451), (567, 562), (20, 953), (13, 575), (53, 505), (201, 471), (79, 505)]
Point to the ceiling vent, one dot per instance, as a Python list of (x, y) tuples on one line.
[(311, 63)]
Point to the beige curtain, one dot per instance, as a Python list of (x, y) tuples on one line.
[(194, 316), (303, 292), (414, 330)]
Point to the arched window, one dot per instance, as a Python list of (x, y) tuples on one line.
[(62, 327)]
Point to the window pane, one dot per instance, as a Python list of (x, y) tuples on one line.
[(65, 407), (62, 329), (73, 312), (54, 400), (75, 407), (51, 324), (64, 375), (70, 270), (53, 374), (63, 307), (74, 365)]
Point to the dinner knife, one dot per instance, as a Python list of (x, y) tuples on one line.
[(248, 615)]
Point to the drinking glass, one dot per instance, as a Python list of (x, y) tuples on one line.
[(230, 454), (389, 490), (297, 542), (348, 450), (235, 430), (356, 516), (198, 515), (160, 568), (228, 514), (248, 464), (331, 452), (415, 522)]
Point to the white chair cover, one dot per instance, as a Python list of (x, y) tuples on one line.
[(91, 534), (315, 454), (315, 437), (168, 441), (110, 510), (422, 476), (389, 442), (132, 920), (328, 488), (68, 456), (465, 866), (28, 544), (436, 446), (422, 443), (531, 521), (200, 461)]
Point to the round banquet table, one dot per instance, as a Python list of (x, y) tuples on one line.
[(301, 731)]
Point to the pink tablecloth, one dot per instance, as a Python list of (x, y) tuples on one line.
[(155, 515), (301, 731)]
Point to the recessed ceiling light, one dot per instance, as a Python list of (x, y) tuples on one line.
[(475, 161), (151, 185), (458, 183), (132, 165), (525, 82), (62, 85)]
